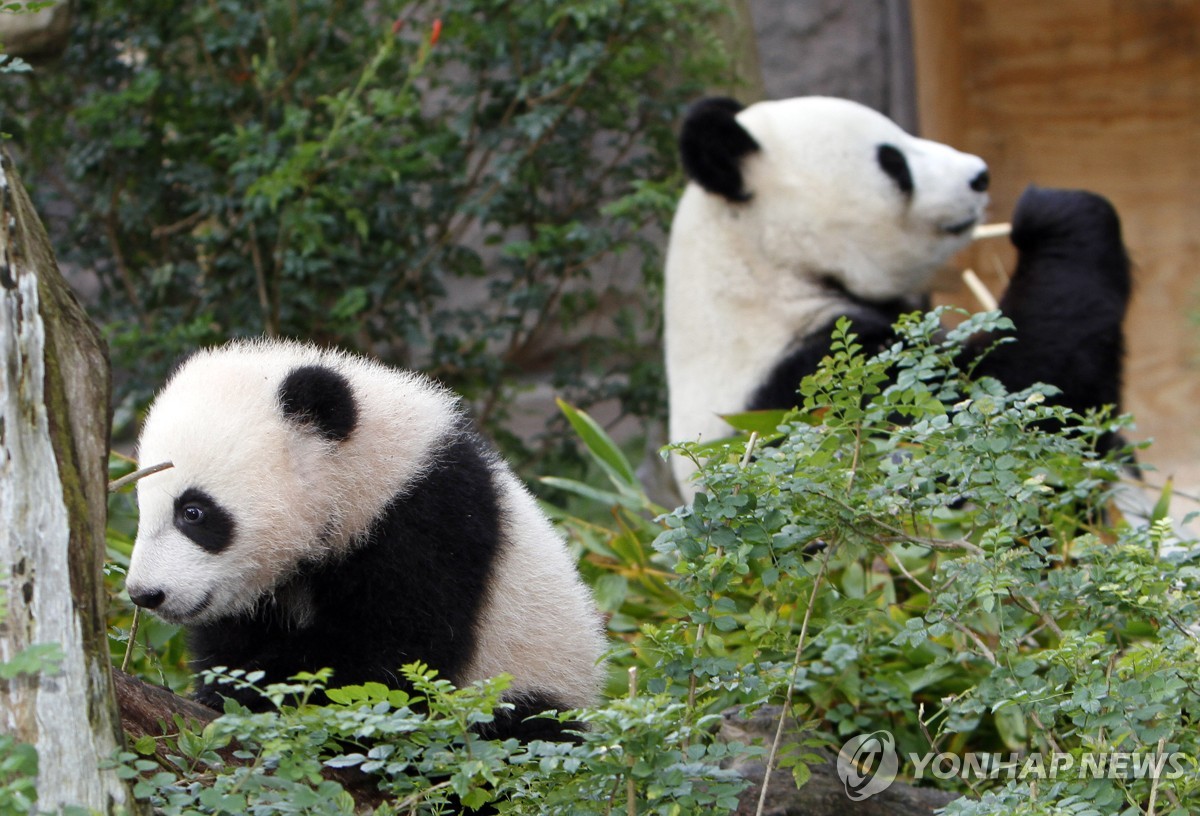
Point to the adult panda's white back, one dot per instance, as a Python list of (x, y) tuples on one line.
[(325, 510)]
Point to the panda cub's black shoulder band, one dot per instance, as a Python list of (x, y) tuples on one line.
[(321, 398)]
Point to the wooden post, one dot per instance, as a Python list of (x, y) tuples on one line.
[(54, 393), (937, 50)]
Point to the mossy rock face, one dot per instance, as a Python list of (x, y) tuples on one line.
[(53, 446)]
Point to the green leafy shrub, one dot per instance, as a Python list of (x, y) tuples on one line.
[(8, 63), (417, 748), (956, 579), (143, 645), (18, 760), (449, 202)]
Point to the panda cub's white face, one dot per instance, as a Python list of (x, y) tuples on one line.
[(839, 190), (276, 462)]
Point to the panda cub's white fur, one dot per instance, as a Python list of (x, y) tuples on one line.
[(797, 209), (326, 510), (297, 495)]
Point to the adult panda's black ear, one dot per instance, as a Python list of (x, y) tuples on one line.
[(320, 399), (712, 144), (892, 161)]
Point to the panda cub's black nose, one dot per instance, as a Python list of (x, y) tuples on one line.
[(150, 599), (980, 183)]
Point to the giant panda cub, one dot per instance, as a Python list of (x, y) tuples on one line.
[(805, 210), (324, 510)]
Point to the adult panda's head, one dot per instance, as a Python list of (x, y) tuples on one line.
[(827, 188), (799, 211), (282, 454)]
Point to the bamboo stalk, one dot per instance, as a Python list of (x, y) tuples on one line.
[(981, 293), (991, 231)]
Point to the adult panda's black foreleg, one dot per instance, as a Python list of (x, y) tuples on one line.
[(872, 328)]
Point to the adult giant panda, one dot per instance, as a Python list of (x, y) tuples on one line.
[(324, 510), (801, 211)]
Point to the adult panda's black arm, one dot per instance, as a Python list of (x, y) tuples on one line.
[(872, 327), (413, 590), (1067, 299)]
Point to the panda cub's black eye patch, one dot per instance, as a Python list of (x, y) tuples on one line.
[(200, 518), (892, 162)]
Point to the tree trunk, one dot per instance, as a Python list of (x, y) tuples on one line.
[(54, 393)]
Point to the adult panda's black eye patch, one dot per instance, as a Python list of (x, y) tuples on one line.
[(320, 398), (200, 518), (892, 162)]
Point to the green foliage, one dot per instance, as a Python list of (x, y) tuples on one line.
[(630, 584), (157, 652), (8, 63), (18, 760), (417, 747), (338, 173), (18, 775), (955, 578)]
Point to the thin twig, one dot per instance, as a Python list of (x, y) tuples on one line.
[(1045, 732), (900, 565), (416, 798), (130, 478), (1178, 624), (1036, 609), (260, 283), (787, 698), (923, 723), (901, 536), (988, 654), (167, 230), (1162, 743), (942, 544), (925, 727), (133, 629), (701, 629), (630, 784), (750, 443)]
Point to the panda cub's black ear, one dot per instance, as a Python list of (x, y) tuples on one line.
[(712, 144), (321, 399)]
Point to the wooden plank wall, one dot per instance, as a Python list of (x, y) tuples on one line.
[(1102, 95)]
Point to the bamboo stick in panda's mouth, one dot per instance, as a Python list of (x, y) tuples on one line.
[(998, 230)]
